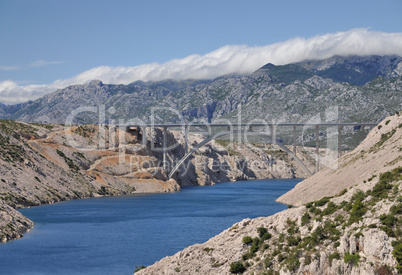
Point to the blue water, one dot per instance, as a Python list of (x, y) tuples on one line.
[(111, 235)]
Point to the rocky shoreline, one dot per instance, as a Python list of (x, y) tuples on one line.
[(345, 223)]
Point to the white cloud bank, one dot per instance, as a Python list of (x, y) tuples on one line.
[(225, 60)]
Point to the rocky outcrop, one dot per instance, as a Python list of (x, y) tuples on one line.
[(223, 160), (356, 231), (13, 224)]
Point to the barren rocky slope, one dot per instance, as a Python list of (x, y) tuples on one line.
[(368, 159), (357, 231), (42, 164)]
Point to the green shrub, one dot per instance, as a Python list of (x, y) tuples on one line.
[(319, 234), (352, 259), (340, 219), (331, 208), (68, 161), (348, 207), (292, 263), (343, 192), (396, 209), (333, 256), (138, 268), (312, 209), (317, 211), (337, 244), (254, 247), (393, 175), (359, 195), (397, 253), (305, 219), (237, 268), (322, 201), (388, 220), (293, 229), (308, 205), (275, 252), (380, 190), (307, 260), (267, 262), (281, 258), (358, 210), (246, 256), (102, 190), (266, 236), (261, 231), (281, 238), (247, 240), (388, 230), (293, 241)]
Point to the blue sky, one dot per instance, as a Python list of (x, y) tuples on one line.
[(45, 41)]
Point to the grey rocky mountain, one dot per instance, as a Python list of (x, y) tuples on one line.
[(363, 89)]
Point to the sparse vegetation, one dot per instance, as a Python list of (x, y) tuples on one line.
[(322, 201), (85, 130), (287, 247), (237, 268), (138, 268), (305, 219), (352, 259), (247, 240), (68, 161)]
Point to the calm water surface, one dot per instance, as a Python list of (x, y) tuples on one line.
[(112, 235)]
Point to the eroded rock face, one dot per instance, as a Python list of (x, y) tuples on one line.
[(13, 224)]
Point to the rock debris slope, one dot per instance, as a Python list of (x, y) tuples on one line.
[(356, 231)]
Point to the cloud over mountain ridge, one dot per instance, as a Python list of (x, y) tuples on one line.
[(229, 59)]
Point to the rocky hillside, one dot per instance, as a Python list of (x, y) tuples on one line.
[(366, 89), (356, 231), (367, 160), (42, 164)]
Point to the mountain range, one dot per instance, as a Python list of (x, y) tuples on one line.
[(362, 89)]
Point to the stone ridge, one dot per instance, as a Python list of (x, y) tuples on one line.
[(293, 93)]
